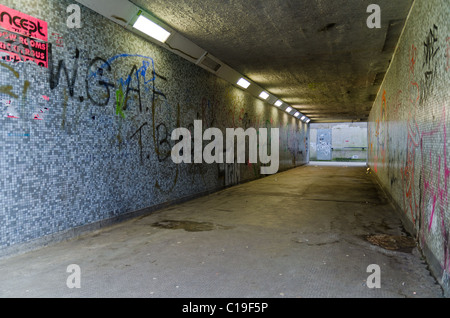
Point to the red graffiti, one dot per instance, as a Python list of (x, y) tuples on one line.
[(435, 177), (415, 93), (381, 132), (397, 105), (412, 58)]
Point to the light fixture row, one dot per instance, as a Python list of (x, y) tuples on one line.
[(152, 29), (242, 82)]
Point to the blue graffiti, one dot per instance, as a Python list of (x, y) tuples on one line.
[(147, 64), (145, 75)]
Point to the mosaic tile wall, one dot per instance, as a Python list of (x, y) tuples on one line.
[(85, 136), (408, 140)]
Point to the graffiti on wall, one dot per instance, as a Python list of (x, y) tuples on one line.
[(324, 144), (131, 84), (101, 116), (422, 153), (435, 180), (23, 38), (431, 48)]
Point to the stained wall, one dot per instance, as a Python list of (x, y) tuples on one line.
[(85, 133), (408, 138)]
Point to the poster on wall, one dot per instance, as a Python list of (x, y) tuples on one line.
[(22, 37)]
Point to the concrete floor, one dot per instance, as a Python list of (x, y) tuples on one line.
[(300, 233)]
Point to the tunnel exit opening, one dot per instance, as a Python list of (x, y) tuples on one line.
[(338, 142)]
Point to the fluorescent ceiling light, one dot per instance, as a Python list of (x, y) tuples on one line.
[(264, 95), (308, 121), (289, 109), (303, 118), (297, 114), (278, 103), (243, 83), (151, 29)]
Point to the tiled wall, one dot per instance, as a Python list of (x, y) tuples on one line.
[(408, 139), (75, 151)]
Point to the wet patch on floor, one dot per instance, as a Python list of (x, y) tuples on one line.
[(393, 242), (189, 226), (313, 239)]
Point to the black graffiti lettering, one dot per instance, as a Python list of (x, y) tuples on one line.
[(158, 93), (190, 127), (430, 49), (155, 92), (430, 65), (77, 54), (54, 77), (133, 89), (158, 75), (139, 131), (208, 114), (246, 121), (93, 75), (162, 155)]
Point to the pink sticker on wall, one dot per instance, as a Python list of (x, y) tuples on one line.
[(19, 48), (24, 24)]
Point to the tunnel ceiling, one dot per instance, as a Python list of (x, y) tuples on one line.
[(319, 56)]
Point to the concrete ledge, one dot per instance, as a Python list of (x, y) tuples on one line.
[(434, 265)]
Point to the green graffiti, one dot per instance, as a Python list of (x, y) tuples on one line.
[(120, 102)]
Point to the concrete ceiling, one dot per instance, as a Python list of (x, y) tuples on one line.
[(319, 56)]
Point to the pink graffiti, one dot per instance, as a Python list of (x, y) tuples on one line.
[(435, 176)]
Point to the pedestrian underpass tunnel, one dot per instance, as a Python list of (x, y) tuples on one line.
[(224, 149)]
